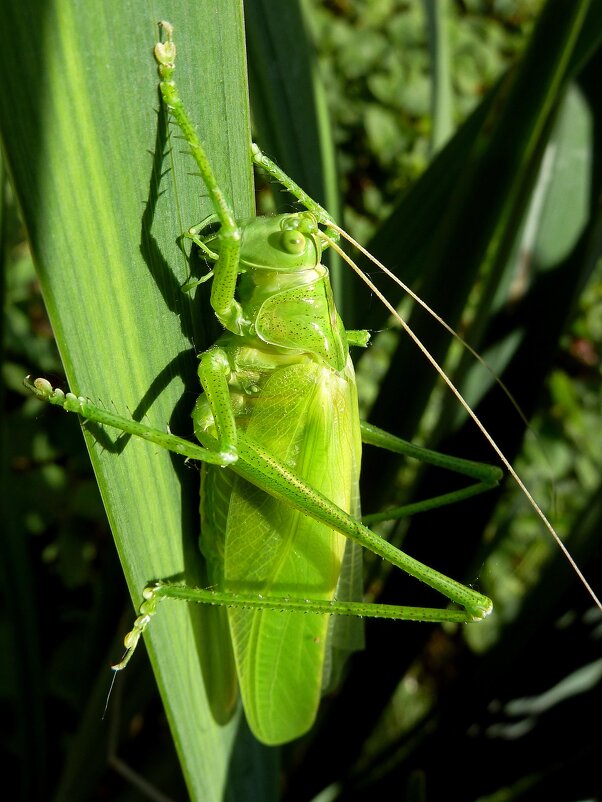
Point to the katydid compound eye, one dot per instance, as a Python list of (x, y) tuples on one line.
[(293, 241)]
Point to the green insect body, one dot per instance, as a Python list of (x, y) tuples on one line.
[(291, 387), (280, 450)]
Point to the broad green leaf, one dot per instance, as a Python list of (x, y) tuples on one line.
[(105, 193)]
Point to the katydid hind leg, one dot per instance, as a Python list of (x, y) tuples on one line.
[(268, 472)]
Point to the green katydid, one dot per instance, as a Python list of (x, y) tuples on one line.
[(277, 544)]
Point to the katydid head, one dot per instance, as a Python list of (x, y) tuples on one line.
[(284, 242)]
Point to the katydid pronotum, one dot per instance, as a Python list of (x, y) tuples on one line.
[(279, 498)]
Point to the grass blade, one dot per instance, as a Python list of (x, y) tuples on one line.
[(104, 201)]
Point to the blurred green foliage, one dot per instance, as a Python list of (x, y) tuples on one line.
[(376, 66)]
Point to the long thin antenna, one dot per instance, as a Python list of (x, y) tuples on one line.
[(409, 291), (453, 387)]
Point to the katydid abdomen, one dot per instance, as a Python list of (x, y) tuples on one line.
[(301, 406)]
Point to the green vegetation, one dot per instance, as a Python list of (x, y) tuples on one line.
[(498, 229)]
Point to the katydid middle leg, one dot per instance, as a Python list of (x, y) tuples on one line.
[(486, 476)]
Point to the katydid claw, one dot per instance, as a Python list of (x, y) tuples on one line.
[(146, 611), (481, 610)]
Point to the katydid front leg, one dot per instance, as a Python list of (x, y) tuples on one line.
[(227, 309)]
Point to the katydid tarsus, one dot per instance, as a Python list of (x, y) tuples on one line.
[(280, 448)]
